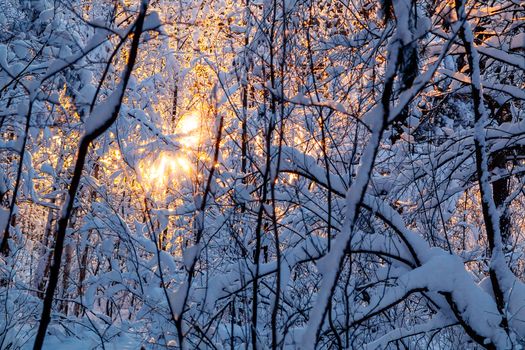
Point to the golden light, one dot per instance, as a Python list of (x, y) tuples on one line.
[(189, 123), (166, 169), (67, 103), (189, 141), (183, 163), (188, 129)]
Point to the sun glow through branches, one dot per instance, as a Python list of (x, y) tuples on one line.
[(166, 169)]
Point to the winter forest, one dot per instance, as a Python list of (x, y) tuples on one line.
[(262, 174)]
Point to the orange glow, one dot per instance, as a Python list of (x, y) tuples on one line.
[(67, 103), (184, 163), (188, 129), (163, 172), (189, 123), (160, 171)]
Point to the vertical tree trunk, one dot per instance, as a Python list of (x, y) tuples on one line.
[(490, 214), (83, 149), (4, 245), (68, 260)]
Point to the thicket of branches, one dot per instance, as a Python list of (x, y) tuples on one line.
[(262, 174)]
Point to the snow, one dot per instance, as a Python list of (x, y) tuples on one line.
[(4, 219), (152, 21), (46, 15), (331, 262), (507, 89), (57, 65), (518, 41), (103, 112), (500, 55), (190, 255), (177, 298), (402, 234), (85, 340), (444, 273)]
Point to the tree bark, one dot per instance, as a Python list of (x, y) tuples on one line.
[(83, 149)]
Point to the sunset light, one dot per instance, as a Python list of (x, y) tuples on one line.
[(168, 168), (189, 123), (224, 174)]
